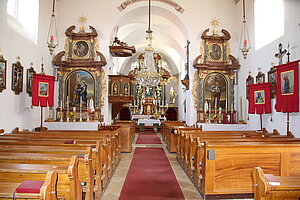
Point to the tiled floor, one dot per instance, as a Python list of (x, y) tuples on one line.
[(115, 186)]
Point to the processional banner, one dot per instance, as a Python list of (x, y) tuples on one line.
[(259, 98), (43, 90), (287, 94)]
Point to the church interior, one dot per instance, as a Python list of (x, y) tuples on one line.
[(149, 99)]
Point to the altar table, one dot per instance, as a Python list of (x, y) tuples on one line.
[(91, 126), (223, 127)]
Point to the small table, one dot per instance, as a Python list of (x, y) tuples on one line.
[(148, 122)]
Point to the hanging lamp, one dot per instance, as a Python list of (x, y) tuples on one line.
[(244, 40), (52, 38), (148, 76)]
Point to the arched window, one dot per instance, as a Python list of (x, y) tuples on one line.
[(269, 21), (23, 17)]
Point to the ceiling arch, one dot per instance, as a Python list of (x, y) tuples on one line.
[(169, 33)]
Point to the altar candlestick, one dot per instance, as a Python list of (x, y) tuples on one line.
[(209, 109), (68, 118), (80, 112), (241, 110), (61, 111), (74, 111)]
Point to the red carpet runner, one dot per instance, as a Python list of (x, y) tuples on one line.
[(148, 139), (150, 177)]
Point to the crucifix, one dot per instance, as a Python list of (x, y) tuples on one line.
[(82, 21), (280, 54)]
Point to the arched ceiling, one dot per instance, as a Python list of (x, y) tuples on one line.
[(169, 34)]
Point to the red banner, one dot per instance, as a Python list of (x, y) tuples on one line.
[(287, 94), (259, 98), (43, 90)]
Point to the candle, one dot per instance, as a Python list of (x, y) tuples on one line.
[(74, 109), (241, 109), (216, 102), (52, 37)]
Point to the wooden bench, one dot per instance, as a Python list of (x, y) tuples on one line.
[(85, 168), (101, 164), (227, 166), (165, 127), (68, 185), (48, 190), (127, 134), (285, 187)]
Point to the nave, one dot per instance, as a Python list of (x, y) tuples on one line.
[(116, 184)]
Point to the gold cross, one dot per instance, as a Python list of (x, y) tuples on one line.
[(215, 22), (82, 19)]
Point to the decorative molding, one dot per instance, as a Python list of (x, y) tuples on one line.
[(104, 87), (195, 89), (127, 3)]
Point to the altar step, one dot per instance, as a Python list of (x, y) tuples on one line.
[(147, 129)]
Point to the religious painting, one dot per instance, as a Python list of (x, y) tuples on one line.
[(215, 52), (272, 80), (260, 77), (43, 90), (215, 90), (259, 97), (81, 49), (126, 89), (17, 78), (30, 73), (2, 74), (80, 87), (287, 82), (115, 89), (249, 80)]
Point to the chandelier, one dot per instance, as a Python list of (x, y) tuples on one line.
[(52, 39), (149, 75), (245, 40)]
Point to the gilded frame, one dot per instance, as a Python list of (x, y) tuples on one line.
[(3, 66), (81, 49), (249, 80), (17, 78), (260, 78), (272, 79), (29, 80)]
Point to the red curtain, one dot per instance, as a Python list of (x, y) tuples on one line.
[(259, 98), (43, 90), (287, 94)]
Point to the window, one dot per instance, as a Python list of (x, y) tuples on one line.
[(22, 17), (269, 21)]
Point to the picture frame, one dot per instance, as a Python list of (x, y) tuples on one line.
[(259, 97), (3, 66), (29, 80), (260, 77), (249, 80), (287, 82), (43, 89), (272, 79), (81, 49), (17, 78)]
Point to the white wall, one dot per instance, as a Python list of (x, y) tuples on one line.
[(263, 58), (15, 110), (104, 16)]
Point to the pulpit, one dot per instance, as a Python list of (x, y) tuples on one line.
[(148, 106)]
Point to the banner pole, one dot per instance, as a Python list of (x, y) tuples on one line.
[(261, 126), (288, 123), (41, 117)]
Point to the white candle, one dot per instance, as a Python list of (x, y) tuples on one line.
[(74, 109), (241, 109), (216, 102)]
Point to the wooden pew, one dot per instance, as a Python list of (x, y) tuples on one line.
[(287, 187), (101, 163), (165, 127), (68, 185), (85, 168), (227, 166), (47, 192), (127, 132)]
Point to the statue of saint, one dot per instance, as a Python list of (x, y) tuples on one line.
[(172, 96)]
